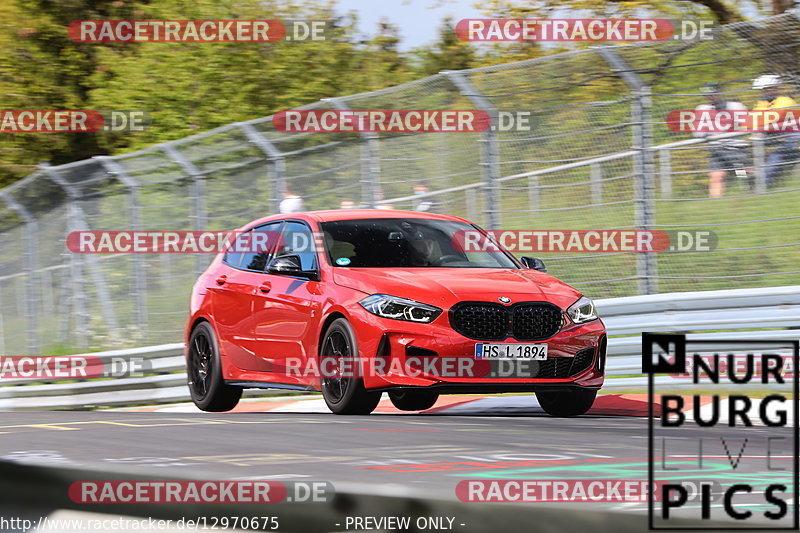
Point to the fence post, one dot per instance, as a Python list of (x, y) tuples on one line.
[(645, 205), (759, 162), (490, 155), (533, 193), (644, 168), (77, 280), (596, 183), (275, 158), (29, 247), (370, 164), (77, 222), (198, 195), (471, 204), (665, 172), (138, 281)]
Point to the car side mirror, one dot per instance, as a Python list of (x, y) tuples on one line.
[(534, 263), (290, 265)]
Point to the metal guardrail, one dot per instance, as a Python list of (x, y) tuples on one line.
[(732, 311)]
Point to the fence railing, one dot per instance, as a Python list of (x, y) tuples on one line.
[(599, 156), (730, 311)]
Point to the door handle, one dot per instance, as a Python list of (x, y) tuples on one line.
[(265, 287), (222, 279)]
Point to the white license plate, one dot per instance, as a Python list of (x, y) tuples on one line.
[(533, 352)]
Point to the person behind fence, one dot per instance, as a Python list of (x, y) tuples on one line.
[(424, 204), (783, 147), (291, 203), (725, 155)]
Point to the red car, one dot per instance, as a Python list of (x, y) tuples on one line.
[(355, 303)]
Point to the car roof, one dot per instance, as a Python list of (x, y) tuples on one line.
[(352, 214)]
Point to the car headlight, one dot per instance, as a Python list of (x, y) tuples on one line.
[(398, 308), (582, 311)]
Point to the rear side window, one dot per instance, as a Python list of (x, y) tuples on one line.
[(255, 248), (232, 257)]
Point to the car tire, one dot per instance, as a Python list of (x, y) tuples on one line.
[(204, 372), (413, 399), (344, 395), (567, 403)]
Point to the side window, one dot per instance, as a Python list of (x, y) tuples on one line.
[(261, 246), (233, 255), (298, 239)]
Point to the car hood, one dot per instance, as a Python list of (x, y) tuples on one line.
[(444, 287)]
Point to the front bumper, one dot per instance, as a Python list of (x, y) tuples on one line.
[(433, 355)]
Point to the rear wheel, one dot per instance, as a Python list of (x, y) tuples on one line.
[(343, 391), (413, 399), (566, 403), (204, 373)]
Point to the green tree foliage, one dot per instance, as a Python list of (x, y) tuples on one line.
[(187, 88), (41, 68), (447, 53), (723, 11)]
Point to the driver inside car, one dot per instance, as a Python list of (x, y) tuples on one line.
[(423, 252)]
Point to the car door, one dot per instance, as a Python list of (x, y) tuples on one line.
[(286, 310), (233, 290)]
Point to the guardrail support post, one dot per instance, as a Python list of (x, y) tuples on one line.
[(198, 195), (596, 183), (533, 193), (29, 248), (645, 212), (77, 280), (370, 164), (759, 163), (471, 204), (644, 168), (665, 171), (275, 159), (138, 281), (77, 222), (490, 155)]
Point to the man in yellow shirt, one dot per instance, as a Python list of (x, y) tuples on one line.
[(785, 151)]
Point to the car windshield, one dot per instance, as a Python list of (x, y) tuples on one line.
[(402, 243)]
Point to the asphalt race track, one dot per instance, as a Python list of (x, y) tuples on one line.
[(432, 450), (429, 452)]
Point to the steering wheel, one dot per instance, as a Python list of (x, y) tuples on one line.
[(447, 259)]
